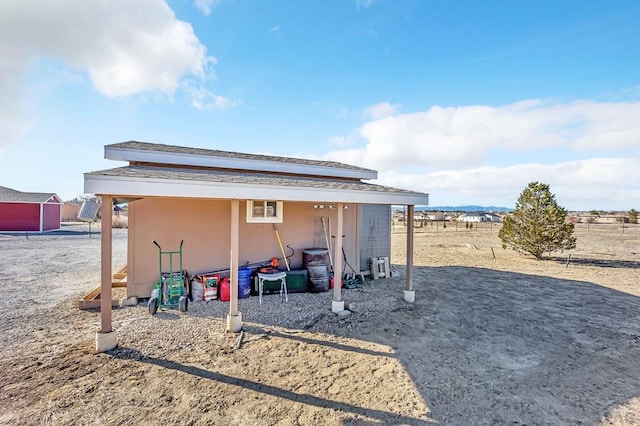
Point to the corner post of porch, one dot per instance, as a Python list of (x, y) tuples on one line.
[(106, 338), (234, 317), (409, 292), (337, 304)]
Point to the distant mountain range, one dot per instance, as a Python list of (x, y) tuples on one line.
[(464, 209)]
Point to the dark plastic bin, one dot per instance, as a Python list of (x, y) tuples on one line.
[(297, 282)]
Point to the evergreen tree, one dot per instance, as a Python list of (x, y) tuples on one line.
[(538, 224), (633, 216)]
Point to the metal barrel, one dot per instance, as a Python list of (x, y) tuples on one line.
[(317, 261)]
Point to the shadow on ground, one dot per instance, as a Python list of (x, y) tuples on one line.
[(613, 263), (56, 233), (304, 398), (481, 346), (493, 347)]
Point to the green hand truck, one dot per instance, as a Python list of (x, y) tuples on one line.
[(169, 291)]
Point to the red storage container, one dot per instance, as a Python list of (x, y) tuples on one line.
[(331, 282), (225, 290)]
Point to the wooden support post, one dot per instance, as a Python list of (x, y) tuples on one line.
[(234, 318), (409, 294), (233, 265), (106, 337), (105, 264), (337, 304)]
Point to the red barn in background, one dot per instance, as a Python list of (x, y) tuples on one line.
[(29, 211)]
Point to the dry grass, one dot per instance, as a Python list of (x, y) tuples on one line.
[(120, 222), (603, 252)]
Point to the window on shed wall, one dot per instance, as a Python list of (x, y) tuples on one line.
[(262, 211)]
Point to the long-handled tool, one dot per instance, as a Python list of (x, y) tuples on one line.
[(284, 256), (326, 238), (356, 279), (263, 264)]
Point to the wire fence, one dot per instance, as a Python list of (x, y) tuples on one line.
[(436, 226)]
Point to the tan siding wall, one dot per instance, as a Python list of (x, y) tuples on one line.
[(70, 212), (204, 227)]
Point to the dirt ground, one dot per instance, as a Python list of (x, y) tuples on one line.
[(494, 337)]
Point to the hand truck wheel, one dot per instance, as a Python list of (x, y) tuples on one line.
[(152, 305), (183, 304)]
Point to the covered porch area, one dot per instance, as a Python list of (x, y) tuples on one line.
[(199, 195), (106, 337)]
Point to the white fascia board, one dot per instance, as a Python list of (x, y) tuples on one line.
[(119, 154), (194, 189)]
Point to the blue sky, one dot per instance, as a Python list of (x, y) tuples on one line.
[(468, 101)]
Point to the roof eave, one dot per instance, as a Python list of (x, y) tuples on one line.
[(135, 155), (154, 187)]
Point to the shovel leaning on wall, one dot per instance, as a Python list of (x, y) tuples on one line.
[(284, 256)]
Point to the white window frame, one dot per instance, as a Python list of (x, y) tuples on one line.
[(277, 218)]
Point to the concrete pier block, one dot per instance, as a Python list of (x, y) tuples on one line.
[(234, 323), (410, 296), (106, 341), (129, 301)]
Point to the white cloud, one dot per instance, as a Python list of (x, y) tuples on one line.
[(338, 141), (350, 140), (581, 185), (461, 137), (202, 98), (380, 110), (206, 5), (125, 47), (364, 3), (14, 121), (458, 154)]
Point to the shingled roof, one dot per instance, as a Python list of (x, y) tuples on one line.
[(158, 170), (8, 195), (173, 149), (240, 177)]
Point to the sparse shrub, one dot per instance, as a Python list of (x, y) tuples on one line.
[(633, 216), (120, 222), (537, 224)]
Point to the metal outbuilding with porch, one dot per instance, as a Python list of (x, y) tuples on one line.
[(225, 205)]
